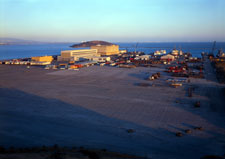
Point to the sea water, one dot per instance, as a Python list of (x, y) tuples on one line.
[(29, 50)]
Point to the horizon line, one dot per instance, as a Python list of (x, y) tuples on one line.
[(33, 41)]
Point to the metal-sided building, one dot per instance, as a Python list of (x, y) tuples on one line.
[(42, 59), (100, 59), (77, 55)]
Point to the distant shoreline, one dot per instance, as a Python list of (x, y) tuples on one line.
[(27, 43), (4, 44), (24, 49)]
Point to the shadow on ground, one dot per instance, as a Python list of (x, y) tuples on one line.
[(28, 120)]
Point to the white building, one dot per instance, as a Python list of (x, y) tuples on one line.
[(100, 59), (168, 57), (143, 57)]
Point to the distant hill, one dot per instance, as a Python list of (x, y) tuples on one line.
[(10, 41), (91, 43)]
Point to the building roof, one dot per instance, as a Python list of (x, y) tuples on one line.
[(167, 56)]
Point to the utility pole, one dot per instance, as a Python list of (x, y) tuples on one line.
[(213, 47)]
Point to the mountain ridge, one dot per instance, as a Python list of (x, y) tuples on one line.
[(91, 43)]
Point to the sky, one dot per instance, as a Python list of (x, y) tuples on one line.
[(113, 20)]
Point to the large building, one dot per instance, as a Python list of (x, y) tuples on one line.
[(107, 49), (77, 55)]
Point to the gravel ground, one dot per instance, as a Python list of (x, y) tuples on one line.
[(95, 106)]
